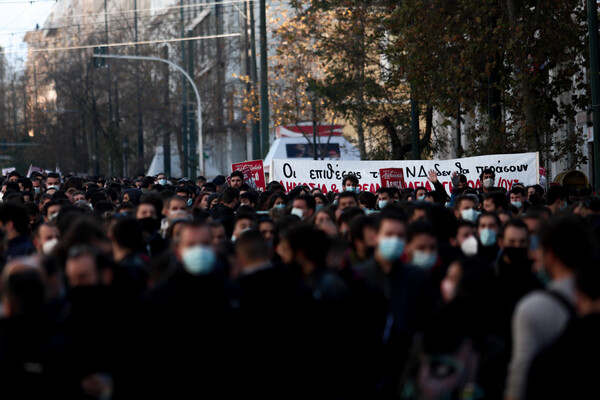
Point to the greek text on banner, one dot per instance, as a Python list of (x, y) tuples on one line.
[(327, 175)]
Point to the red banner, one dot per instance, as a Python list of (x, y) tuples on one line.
[(252, 170), (392, 177)]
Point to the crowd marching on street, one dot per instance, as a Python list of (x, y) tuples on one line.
[(153, 287)]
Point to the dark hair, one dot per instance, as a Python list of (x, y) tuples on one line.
[(309, 200), (358, 225), (11, 185), (420, 228), (239, 174), (350, 177), (569, 238), (368, 199), (25, 292), (392, 213), (230, 194), (252, 244), (250, 196), (462, 198), (16, 198), (518, 190), (322, 197), (127, 232), (348, 194), (498, 198), (26, 182), (274, 197), (14, 173), (53, 175), (555, 193), (515, 223), (313, 242), (17, 215), (487, 171), (487, 214), (390, 191)]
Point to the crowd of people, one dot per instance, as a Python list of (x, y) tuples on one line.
[(161, 288)]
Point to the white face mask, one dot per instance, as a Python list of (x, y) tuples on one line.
[(469, 246), (298, 212), (488, 183), (49, 246)]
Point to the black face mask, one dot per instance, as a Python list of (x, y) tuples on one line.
[(149, 224), (516, 255)]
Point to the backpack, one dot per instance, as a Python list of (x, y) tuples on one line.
[(443, 376)]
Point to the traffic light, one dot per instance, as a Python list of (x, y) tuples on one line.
[(99, 62)]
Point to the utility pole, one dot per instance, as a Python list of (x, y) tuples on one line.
[(110, 112), (414, 118), (184, 119), (192, 144), (264, 81), (253, 73), (166, 134), (594, 71), (140, 119), (14, 108)]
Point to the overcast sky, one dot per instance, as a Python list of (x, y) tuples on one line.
[(18, 17)]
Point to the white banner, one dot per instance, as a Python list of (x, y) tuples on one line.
[(327, 175)]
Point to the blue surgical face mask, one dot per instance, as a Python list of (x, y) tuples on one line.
[(37, 190), (487, 237), (564, 205), (517, 204), (423, 259), (351, 189), (534, 241), (382, 204), (190, 202), (199, 259), (391, 248), (319, 207), (543, 276), (162, 182), (469, 215), (280, 206), (421, 198), (335, 202)]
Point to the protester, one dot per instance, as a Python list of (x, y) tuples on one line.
[(159, 287)]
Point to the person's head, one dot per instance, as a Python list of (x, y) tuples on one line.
[(127, 237), (277, 200), (161, 179), (487, 178), (566, 244), (465, 208), (363, 236), (304, 245), (350, 183), (462, 181), (494, 201), (304, 206), (391, 235), (193, 248), (514, 234), (53, 181), (556, 198), (418, 211), (385, 197), (14, 220), (320, 200), (251, 249), (25, 184), (346, 200), (14, 176), (45, 238), (517, 197), (146, 209), (420, 193), (488, 225), (231, 197), (86, 267), (367, 200), (465, 230), (236, 179), (266, 227), (248, 199), (421, 245), (24, 288), (175, 204)]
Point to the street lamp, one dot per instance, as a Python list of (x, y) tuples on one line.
[(312, 96), (125, 156)]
